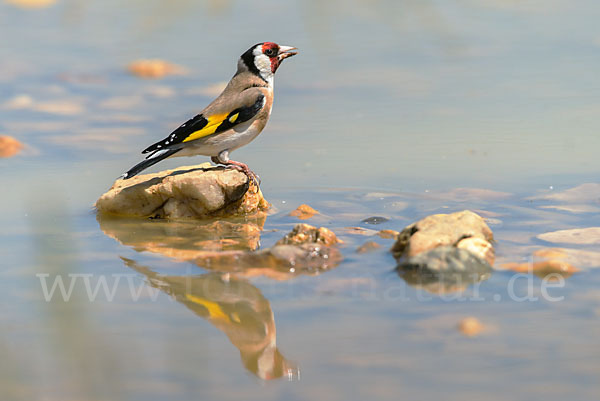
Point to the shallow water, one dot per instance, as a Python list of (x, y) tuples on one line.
[(389, 110)]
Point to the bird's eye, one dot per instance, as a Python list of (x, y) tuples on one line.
[(270, 52)]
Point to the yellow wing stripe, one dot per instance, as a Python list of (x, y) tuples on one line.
[(214, 310), (210, 128), (234, 117)]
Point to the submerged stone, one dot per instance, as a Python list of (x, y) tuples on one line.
[(469, 194), (579, 236), (305, 233), (554, 261), (368, 246), (388, 234), (470, 326), (580, 199), (584, 193), (551, 253), (9, 146), (544, 268), (375, 220), (367, 232), (200, 191), (154, 68), (303, 212)]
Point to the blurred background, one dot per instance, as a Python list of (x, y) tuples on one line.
[(409, 93), (406, 96)]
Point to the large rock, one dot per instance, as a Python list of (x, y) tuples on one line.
[(446, 229), (192, 191), (445, 252)]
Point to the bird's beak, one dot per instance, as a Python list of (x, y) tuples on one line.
[(285, 52)]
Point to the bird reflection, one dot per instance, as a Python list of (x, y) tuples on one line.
[(235, 307)]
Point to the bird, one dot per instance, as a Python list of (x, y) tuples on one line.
[(232, 120)]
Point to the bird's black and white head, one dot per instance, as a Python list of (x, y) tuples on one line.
[(263, 59)]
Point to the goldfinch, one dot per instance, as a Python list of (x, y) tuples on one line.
[(232, 120)]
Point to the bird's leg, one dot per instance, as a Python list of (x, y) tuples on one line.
[(223, 158)]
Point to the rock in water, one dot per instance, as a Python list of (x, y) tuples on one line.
[(192, 191), (445, 253), (305, 250), (442, 229), (368, 246), (305, 233), (375, 220), (478, 247), (9, 146), (470, 326), (154, 68), (303, 212)]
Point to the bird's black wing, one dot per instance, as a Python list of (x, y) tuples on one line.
[(201, 125), (185, 130)]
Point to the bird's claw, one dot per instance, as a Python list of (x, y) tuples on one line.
[(253, 178)]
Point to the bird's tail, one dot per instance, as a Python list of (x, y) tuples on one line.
[(150, 161)]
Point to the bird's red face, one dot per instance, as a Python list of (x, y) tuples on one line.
[(264, 58), (277, 54)]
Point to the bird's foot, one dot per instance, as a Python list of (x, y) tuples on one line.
[(252, 176), (246, 170)]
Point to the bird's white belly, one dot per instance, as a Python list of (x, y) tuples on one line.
[(230, 140)]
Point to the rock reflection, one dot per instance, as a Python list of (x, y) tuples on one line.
[(184, 240), (235, 307), (227, 246), (444, 270), (440, 284)]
